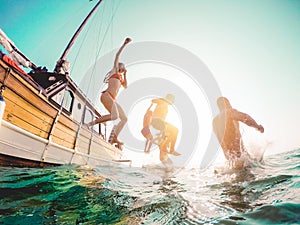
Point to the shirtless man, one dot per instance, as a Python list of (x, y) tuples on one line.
[(226, 128), (115, 79), (158, 122)]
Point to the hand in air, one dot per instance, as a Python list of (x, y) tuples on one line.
[(261, 128), (127, 40)]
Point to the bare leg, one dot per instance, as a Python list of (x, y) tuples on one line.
[(111, 107), (164, 158), (168, 163), (123, 120), (173, 132), (163, 155), (158, 124), (102, 119)]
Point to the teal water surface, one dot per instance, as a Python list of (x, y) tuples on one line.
[(268, 193)]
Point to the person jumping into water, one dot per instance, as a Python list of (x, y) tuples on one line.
[(157, 120), (115, 79), (226, 128)]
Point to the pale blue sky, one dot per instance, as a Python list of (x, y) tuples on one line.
[(251, 47)]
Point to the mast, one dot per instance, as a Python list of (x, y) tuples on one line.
[(65, 53)]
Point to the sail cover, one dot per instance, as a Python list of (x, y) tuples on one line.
[(12, 50)]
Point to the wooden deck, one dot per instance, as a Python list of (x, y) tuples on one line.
[(30, 108)]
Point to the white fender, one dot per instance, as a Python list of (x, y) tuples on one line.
[(2, 107)]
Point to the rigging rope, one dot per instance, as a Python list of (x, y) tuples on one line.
[(96, 45), (101, 45)]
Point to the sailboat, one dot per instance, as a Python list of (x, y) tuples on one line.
[(44, 115)]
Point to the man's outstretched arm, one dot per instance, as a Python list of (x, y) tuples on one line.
[(245, 118)]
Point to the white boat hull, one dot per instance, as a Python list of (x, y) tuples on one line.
[(24, 146)]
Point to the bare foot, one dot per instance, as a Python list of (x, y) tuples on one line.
[(175, 153), (115, 140)]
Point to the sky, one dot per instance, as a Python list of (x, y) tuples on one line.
[(252, 48)]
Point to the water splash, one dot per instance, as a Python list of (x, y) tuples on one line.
[(124, 195)]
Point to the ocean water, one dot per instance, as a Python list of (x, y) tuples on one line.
[(267, 193)]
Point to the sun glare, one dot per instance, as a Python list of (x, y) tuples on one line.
[(194, 94)]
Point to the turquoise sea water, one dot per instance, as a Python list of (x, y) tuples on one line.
[(268, 193)]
